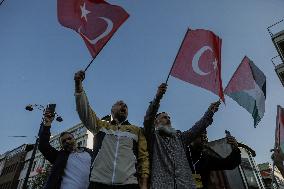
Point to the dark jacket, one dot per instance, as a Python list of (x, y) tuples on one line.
[(58, 159), (208, 160)]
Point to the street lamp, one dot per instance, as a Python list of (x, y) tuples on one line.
[(31, 107)]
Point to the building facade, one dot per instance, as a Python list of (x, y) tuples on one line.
[(266, 170), (245, 176), (12, 165)]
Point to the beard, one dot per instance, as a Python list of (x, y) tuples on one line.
[(69, 147), (121, 117), (166, 130)]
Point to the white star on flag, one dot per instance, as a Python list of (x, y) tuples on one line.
[(84, 12)]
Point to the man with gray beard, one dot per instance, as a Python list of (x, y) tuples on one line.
[(167, 146)]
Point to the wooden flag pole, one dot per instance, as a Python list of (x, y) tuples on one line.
[(176, 56)]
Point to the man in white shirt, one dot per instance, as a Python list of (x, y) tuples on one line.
[(71, 165)]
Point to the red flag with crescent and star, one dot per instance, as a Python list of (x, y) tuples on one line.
[(96, 21), (199, 61)]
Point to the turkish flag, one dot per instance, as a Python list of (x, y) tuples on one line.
[(199, 61), (95, 20)]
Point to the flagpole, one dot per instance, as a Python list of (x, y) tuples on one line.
[(2, 2), (170, 72), (176, 56), (89, 64), (93, 58)]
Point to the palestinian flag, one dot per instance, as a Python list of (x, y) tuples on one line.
[(248, 88)]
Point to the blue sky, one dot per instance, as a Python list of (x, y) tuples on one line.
[(39, 58)]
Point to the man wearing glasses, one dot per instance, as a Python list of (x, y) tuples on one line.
[(167, 146)]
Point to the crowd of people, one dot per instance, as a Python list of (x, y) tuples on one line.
[(126, 156)]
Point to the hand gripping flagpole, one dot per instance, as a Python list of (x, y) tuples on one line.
[(188, 30)]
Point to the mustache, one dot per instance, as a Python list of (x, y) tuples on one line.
[(68, 146), (122, 111)]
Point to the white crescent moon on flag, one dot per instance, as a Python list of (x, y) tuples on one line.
[(196, 58), (105, 33)]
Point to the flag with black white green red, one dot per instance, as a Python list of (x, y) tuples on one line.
[(248, 88)]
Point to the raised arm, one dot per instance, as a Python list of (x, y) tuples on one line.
[(49, 152), (207, 119), (86, 114), (151, 112)]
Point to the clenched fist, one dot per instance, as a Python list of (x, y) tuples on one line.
[(79, 76), (48, 117), (161, 90), (214, 106)]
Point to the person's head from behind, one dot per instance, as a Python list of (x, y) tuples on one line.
[(67, 141), (119, 111), (201, 140), (163, 124)]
